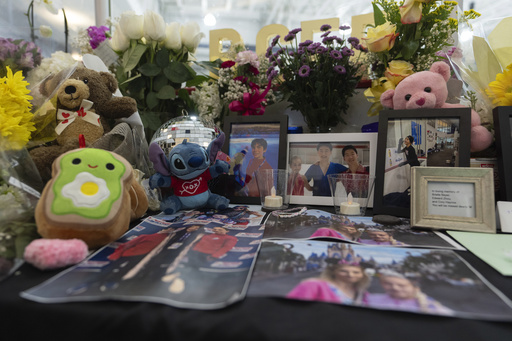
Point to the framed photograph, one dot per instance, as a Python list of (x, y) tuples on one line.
[(306, 152), (503, 135), (252, 143), (453, 199), (416, 138)]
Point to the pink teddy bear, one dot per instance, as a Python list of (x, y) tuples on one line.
[(427, 89)]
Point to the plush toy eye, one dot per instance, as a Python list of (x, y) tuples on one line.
[(86, 80), (427, 89), (178, 163), (110, 166), (76, 161), (407, 97)]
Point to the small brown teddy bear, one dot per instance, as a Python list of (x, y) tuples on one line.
[(86, 106)]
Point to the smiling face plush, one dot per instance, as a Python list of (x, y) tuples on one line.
[(88, 197), (427, 89)]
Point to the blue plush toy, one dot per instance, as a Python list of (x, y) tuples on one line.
[(187, 171)]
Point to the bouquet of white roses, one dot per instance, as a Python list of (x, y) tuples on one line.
[(154, 64)]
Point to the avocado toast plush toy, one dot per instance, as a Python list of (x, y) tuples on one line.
[(88, 197)]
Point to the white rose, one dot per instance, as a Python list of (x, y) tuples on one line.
[(173, 36), (191, 36), (154, 26), (132, 25), (119, 41)]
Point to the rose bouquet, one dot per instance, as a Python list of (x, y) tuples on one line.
[(317, 78), (154, 64), (18, 55), (406, 38), (240, 86)]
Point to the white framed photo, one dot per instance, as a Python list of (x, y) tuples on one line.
[(306, 152), (460, 198)]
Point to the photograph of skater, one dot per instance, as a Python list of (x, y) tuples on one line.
[(415, 142), (420, 281)]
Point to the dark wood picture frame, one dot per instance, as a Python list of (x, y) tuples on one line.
[(257, 126), (402, 208), (503, 135)]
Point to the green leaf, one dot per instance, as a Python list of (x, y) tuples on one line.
[(378, 16), (130, 79), (409, 48), (197, 80), (152, 100), (162, 58), (159, 82), (212, 67), (149, 70), (178, 72), (167, 92), (132, 57)]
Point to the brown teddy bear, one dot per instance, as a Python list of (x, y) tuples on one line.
[(85, 106)]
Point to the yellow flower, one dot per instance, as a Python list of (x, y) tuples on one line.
[(397, 70), (15, 115), (381, 38), (500, 90), (373, 94), (410, 11)]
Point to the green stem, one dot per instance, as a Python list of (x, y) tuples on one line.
[(66, 31), (30, 17)]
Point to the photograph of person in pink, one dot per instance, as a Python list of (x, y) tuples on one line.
[(342, 281)]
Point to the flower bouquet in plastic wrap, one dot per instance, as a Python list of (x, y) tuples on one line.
[(20, 183), (483, 60)]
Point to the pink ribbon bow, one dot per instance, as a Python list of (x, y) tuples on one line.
[(251, 103), (65, 117)]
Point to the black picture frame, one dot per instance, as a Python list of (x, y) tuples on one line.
[(273, 126), (503, 137), (397, 203)]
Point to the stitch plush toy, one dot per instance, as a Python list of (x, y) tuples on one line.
[(427, 89), (187, 171)]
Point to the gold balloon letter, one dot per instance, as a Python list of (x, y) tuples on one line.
[(218, 36), (266, 34)]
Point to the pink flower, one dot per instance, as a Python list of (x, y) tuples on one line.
[(227, 64), (251, 103), (248, 57)]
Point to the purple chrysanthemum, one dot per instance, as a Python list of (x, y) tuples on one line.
[(340, 69), (313, 46), (304, 71), (347, 52), (344, 27), (275, 40), (327, 40), (353, 41), (321, 50), (325, 34), (295, 30), (335, 54), (306, 43), (289, 37), (325, 27)]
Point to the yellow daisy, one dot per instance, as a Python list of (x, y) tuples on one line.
[(15, 116), (500, 90)]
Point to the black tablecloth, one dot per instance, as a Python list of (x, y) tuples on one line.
[(251, 319)]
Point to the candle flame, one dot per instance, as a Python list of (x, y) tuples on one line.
[(273, 191), (350, 198)]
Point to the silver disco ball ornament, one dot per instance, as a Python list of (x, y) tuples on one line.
[(192, 128)]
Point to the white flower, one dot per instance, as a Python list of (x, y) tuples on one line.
[(248, 57), (173, 36), (191, 36), (132, 25), (52, 5), (154, 26), (46, 31), (57, 62), (119, 41)]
